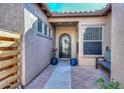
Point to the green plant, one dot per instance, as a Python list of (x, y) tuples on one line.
[(100, 82), (54, 50), (113, 84)]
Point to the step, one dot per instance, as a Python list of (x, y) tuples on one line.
[(64, 59)]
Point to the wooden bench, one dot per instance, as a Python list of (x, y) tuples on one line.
[(104, 61)]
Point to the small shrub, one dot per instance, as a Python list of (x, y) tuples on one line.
[(113, 84)]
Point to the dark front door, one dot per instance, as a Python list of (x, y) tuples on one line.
[(65, 46)]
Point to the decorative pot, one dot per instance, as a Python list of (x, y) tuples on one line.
[(73, 61), (54, 61)]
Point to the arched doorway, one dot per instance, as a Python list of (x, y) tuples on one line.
[(65, 46)]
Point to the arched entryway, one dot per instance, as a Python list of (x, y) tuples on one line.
[(65, 46)]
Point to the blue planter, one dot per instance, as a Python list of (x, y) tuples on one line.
[(54, 61), (73, 61)]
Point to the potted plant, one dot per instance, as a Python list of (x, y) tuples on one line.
[(54, 60), (73, 61)]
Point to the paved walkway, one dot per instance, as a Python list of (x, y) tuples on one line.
[(61, 77), (85, 77), (41, 79)]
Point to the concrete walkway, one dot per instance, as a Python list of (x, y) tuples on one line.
[(61, 77), (41, 79)]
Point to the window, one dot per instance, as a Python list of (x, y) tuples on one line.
[(45, 30), (51, 33), (48, 31), (43, 24), (93, 41), (40, 26)]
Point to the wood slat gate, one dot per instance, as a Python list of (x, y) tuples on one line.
[(9, 59)]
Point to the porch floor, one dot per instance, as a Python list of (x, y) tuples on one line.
[(64, 76)]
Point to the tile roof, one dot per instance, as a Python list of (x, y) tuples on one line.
[(101, 12)]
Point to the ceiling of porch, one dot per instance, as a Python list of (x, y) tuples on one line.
[(64, 24)]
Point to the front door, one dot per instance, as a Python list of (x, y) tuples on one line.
[(65, 46)]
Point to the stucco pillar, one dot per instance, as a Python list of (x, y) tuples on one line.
[(117, 37)]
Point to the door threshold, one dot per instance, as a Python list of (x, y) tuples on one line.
[(64, 59)]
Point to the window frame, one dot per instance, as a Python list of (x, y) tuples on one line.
[(51, 33), (45, 30), (43, 25), (84, 28), (44, 33), (39, 20), (48, 31)]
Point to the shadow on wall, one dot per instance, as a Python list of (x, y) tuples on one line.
[(37, 49)]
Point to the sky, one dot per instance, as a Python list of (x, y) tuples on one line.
[(72, 7)]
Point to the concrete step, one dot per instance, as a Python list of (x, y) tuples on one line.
[(64, 59)]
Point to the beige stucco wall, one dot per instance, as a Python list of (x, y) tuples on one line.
[(107, 32), (117, 64), (36, 48), (83, 22), (72, 32), (11, 17), (73, 19), (105, 22)]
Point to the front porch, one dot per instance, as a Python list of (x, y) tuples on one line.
[(84, 38), (65, 76)]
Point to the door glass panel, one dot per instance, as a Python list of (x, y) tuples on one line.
[(65, 46)]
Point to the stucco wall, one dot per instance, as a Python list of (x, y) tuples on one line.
[(107, 32), (36, 49), (72, 32), (11, 17), (105, 22), (117, 64)]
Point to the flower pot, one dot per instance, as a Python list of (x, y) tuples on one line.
[(54, 61), (73, 61)]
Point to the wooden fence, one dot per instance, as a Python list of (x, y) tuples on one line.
[(9, 60)]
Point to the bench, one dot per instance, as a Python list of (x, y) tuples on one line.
[(104, 61)]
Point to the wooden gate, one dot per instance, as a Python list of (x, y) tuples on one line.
[(9, 59)]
